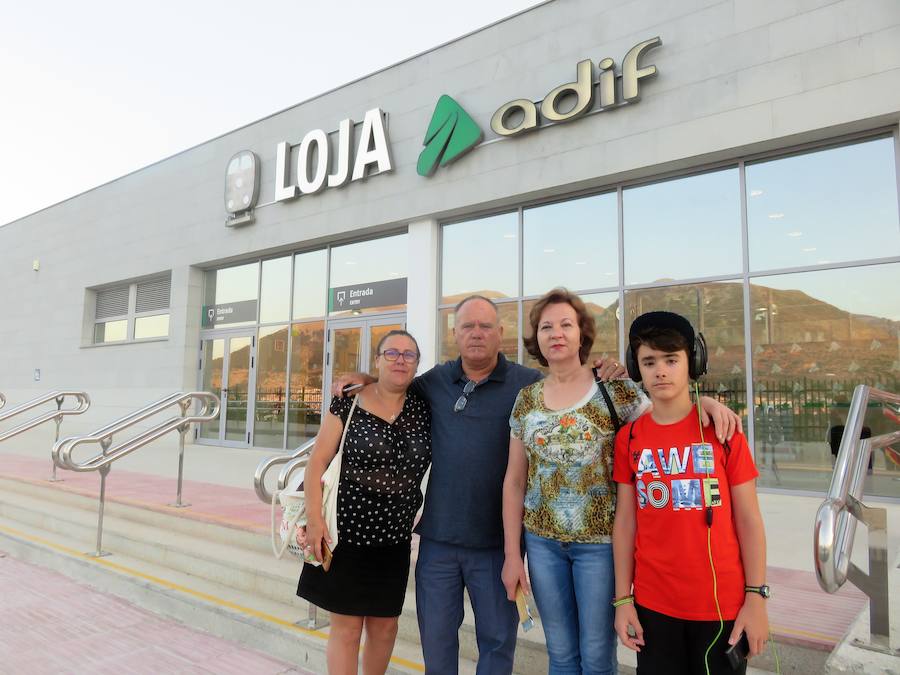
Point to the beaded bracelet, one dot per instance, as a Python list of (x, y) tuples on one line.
[(624, 600)]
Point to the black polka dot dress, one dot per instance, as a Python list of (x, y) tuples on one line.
[(378, 497)]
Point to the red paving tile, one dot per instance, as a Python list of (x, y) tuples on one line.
[(52, 624), (230, 506)]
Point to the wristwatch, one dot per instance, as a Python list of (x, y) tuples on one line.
[(762, 590)]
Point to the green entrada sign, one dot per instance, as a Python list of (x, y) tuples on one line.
[(451, 133)]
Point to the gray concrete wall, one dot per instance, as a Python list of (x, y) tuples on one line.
[(734, 77)]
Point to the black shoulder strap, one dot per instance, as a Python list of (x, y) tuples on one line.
[(609, 404)]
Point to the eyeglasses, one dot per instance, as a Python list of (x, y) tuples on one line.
[(460, 404), (409, 356)]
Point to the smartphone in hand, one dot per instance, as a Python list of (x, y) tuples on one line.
[(738, 652)]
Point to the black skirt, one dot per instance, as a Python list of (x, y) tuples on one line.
[(362, 580)]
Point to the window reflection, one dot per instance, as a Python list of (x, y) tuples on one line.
[(509, 318), (603, 307), (821, 207), (715, 309), (111, 331), (379, 260), (275, 289), (234, 285), (151, 326), (816, 336), (684, 228), (571, 244), (305, 405), (480, 257), (271, 385), (310, 272)]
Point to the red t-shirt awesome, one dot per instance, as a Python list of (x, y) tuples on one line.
[(674, 482)]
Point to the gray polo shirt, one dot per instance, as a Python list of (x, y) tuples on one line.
[(469, 452)]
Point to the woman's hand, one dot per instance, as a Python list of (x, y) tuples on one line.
[(301, 538), (513, 575), (754, 621), (627, 623), (316, 535)]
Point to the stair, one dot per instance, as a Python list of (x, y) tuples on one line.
[(219, 579)]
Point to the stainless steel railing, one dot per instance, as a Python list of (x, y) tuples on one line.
[(294, 461), (63, 450), (836, 519), (82, 403)]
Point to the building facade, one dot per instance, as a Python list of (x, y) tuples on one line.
[(735, 161)]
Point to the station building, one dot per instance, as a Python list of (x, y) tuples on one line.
[(732, 160)]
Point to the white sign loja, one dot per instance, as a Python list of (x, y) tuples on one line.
[(372, 150)]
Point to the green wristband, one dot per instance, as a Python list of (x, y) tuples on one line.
[(624, 600)]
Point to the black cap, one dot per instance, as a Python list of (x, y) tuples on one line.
[(663, 320)]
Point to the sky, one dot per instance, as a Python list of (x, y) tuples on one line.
[(92, 90)]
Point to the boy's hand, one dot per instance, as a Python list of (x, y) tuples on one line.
[(627, 623), (609, 369), (513, 575), (725, 420), (752, 620)]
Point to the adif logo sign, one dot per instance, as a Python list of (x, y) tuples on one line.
[(452, 132)]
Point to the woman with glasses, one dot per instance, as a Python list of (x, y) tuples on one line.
[(386, 453)]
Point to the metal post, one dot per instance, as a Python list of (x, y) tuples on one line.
[(104, 471), (875, 583), (58, 420), (182, 431)]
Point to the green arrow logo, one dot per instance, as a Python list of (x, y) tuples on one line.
[(451, 134)]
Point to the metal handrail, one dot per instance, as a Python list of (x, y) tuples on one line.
[(297, 459), (259, 476), (836, 518), (102, 462), (82, 400)]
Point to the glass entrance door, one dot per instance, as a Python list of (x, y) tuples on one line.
[(228, 369), (352, 345)]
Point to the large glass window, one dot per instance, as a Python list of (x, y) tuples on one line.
[(305, 404), (231, 296), (369, 276), (480, 256), (571, 244), (685, 228), (271, 387), (816, 335), (310, 283), (823, 207), (275, 290)]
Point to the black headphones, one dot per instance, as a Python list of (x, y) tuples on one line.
[(697, 355)]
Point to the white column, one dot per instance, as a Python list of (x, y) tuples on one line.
[(422, 290)]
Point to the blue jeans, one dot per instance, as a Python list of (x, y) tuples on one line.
[(573, 586), (442, 571)]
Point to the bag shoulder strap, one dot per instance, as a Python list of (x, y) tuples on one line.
[(613, 415), (347, 425)]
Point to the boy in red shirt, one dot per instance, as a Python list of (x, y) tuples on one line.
[(688, 536)]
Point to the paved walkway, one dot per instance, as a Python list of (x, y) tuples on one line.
[(52, 624)]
